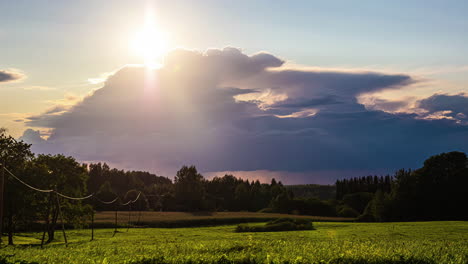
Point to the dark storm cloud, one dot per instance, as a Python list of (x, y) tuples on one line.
[(224, 110), (10, 76), (453, 106)]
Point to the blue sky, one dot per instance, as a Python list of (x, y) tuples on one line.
[(58, 46)]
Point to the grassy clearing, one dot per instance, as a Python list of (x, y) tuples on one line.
[(331, 242)]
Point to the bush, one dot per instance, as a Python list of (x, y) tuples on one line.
[(281, 224), (358, 201), (347, 211)]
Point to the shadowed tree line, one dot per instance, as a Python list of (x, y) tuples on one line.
[(436, 191), (370, 184)]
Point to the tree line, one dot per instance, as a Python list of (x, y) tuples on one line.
[(370, 184), (189, 191), (434, 192)]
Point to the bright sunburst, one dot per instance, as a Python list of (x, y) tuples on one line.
[(150, 42)]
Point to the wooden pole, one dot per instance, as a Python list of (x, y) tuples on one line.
[(139, 217), (43, 237), (129, 214), (2, 186), (92, 225), (61, 219), (115, 230)]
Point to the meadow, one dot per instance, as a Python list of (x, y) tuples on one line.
[(330, 242)]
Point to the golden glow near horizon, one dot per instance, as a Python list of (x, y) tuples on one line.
[(150, 43)]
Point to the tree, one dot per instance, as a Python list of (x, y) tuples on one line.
[(189, 188), (106, 194), (437, 191), (242, 195), (358, 201), (282, 203), (67, 176), (14, 155)]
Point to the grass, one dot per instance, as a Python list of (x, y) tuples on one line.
[(331, 242)]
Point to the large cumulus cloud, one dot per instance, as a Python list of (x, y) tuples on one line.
[(223, 110)]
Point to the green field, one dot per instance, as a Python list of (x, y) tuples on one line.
[(331, 242)]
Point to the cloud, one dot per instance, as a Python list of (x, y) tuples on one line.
[(32, 136), (10, 76), (437, 106), (223, 110), (453, 107)]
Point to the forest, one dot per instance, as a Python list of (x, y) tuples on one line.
[(436, 191)]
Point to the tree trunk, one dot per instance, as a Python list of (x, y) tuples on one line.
[(10, 224), (50, 234), (10, 230), (51, 231)]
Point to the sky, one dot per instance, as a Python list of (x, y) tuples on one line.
[(303, 91)]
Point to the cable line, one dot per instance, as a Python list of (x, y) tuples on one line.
[(101, 201), (25, 184), (132, 201), (69, 197), (75, 198)]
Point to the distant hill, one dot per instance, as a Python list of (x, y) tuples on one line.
[(322, 192)]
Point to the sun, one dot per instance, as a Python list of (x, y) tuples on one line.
[(150, 43)]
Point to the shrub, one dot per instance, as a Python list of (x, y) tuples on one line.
[(347, 211), (358, 201), (281, 224)]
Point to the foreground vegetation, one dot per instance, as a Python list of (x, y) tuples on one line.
[(330, 242)]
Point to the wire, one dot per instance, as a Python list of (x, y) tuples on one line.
[(69, 197), (111, 202), (132, 201), (75, 198), (25, 184)]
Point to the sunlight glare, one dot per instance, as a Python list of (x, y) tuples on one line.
[(150, 43)]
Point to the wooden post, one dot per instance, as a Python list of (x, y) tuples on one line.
[(2, 186), (92, 225), (115, 230), (139, 217), (43, 237), (129, 214), (61, 219)]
